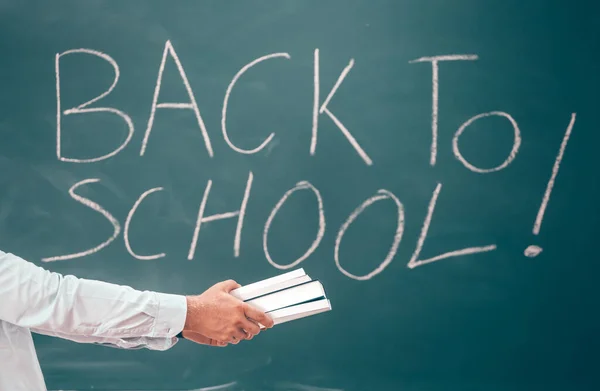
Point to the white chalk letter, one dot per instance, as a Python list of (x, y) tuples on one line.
[(128, 222), (414, 262), (436, 91), (225, 102), (323, 109), (381, 195), (563, 145), (239, 213), (192, 105), (82, 108), (511, 155), (92, 205), (304, 185)]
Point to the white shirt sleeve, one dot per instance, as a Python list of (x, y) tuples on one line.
[(87, 310), (120, 343)]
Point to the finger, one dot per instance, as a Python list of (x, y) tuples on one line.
[(239, 334), (229, 285), (201, 339), (217, 343), (250, 327), (258, 316)]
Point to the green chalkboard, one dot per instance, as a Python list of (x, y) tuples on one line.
[(433, 163)]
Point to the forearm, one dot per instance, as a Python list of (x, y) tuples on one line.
[(33, 297), (160, 343)]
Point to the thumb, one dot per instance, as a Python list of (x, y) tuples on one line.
[(229, 285)]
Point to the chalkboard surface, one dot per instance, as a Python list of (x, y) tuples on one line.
[(433, 163)]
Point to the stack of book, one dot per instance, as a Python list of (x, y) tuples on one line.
[(286, 297)]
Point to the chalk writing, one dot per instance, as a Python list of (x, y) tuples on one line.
[(128, 223), (96, 207), (414, 260), (323, 109), (83, 108), (381, 195), (435, 93), (239, 213), (191, 105), (511, 155), (318, 108), (533, 250), (228, 93), (300, 186)]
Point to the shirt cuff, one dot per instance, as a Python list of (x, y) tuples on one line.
[(172, 312)]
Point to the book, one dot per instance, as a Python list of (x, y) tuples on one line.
[(298, 294), (271, 285), (286, 297), (299, 311)]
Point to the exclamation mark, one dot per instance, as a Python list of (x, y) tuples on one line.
[(533, 250)]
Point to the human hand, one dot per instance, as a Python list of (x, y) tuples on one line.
[(218, 315)]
